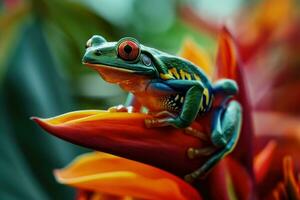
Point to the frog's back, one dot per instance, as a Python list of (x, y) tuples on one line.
[(183, 69)]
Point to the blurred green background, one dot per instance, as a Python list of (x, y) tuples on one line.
[(41, 45)]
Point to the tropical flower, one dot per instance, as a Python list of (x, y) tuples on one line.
[(150, 163)]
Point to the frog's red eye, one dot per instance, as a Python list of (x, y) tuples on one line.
[(128, 50)]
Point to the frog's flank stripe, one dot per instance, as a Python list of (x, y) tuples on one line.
[(206, 95), (173, 71), (181, 99), (201, 105), (166, 76), (184, 75), (188, 76), (197, 77)]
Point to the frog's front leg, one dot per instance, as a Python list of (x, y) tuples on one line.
[(226, 131), (193, 94)]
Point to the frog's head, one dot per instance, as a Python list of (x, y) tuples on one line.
[(118, 61)]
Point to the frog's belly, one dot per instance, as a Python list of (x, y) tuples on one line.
[(171, 103)]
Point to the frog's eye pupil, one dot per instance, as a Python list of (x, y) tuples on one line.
[(128, 50)]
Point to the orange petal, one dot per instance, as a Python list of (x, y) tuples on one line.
[(125, 134), (292, 187), (271, 14), (233, 181), (226, 56), (287, 143), (109, 174), (92, 195), (289, 188), (192, 52), (262, 24), (263, 160)]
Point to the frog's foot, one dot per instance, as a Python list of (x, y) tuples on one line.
[(120, 108), (160, 119), (224, 139), (194, 132), (193, 153)]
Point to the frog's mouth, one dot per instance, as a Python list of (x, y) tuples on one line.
[(116, 75), (113, 68)]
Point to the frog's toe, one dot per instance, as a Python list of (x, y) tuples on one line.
[(196, 133), (120, 108), (150, 123), (189, 178), (218, 139), (193, 153), (156, 122)]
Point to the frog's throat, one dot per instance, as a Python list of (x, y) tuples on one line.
[(125, 77)]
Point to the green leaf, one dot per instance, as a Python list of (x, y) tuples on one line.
[(28, 155)]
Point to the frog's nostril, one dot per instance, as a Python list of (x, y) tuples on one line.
[(98, 52)]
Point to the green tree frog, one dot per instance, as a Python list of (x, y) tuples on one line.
[(174, 89)]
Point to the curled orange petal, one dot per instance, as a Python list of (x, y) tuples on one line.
[(104, 173), (233, 181), (226, 57), (289, 187), (125, 135), (263, 160)]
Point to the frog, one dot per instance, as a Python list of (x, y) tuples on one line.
[(174, 90)]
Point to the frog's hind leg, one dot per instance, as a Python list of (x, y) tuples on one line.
[(228, 125)]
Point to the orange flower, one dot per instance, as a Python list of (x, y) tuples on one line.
[(104, 173)]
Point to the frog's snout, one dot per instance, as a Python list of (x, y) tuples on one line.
[(95, 41), (84, 60), (87, 58), (91, 53)]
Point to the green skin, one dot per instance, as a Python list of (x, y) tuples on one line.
[(173, 88)]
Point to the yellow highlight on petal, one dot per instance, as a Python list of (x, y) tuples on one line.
[(90, 115), (104, 173)]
